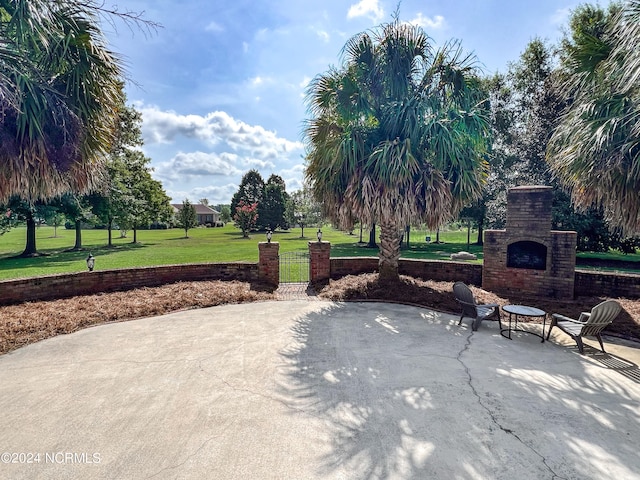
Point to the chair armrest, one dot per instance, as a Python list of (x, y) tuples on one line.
[(492, 305), (466, 303), (557, 316), (584, 316)]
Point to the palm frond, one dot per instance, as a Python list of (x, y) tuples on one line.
[(398, 133), (61, 96)]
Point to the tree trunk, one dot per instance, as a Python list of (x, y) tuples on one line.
[(109, 226), (78, 245), (135, 234), (389, 255), (372, 237), (30, 249), (480, 233)]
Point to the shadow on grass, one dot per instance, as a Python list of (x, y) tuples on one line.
[(252, 236), (50, 257), (298, 239)]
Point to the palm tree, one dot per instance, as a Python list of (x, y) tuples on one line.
[(59, 92), (397, 134), (595, 150)]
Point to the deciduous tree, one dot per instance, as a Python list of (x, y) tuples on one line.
[(251, 190), (246, 217), (272, 208), (187, 217)]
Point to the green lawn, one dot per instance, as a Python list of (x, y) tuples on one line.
[(163, 247)]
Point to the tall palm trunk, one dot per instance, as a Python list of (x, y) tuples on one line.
[(390, 237)]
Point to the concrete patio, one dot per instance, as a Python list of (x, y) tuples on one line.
[(316, 390)]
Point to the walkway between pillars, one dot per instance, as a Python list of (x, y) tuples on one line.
[(296, 291), (294, 271)]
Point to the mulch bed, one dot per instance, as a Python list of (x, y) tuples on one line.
[(28, 323), (31, 322)]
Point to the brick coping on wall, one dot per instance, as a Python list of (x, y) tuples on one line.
[(83, 283), (65, 285)]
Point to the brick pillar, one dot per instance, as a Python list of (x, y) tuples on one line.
[(319, 253), (269, 263)]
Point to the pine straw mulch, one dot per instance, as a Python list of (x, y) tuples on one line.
[(28, 323)]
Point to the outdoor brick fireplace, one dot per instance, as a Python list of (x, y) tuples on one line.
[(528, 258)]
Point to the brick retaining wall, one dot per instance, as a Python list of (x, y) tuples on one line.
[(67, 285), (586, 283), (437, 270), (84, 283), (609, 284)]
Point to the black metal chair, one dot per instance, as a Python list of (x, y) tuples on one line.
[(471, 309)]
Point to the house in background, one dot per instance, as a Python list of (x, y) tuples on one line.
[(206, 215)]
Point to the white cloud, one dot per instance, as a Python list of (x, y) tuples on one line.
[(245, 47), (257, 164), (215, 194), (324, 36), (260, 81), (436, 23), (305, 81), (293, 177), (561, 16), (369, 8), (215, 128), (198, 164), (214, 27)]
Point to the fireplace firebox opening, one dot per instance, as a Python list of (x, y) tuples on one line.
[(527, 254)]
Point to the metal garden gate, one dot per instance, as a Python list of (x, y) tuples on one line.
[(294, 267)]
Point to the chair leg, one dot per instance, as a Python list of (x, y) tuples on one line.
[(578, 340), (461, 317), (553, 324), (475, 324), (601, 344)]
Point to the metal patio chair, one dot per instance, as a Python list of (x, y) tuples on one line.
[(471, 309), (590, 324)]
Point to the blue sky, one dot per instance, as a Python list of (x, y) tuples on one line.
[(221, 85)]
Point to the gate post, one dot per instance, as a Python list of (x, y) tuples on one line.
[(269, 263), (320, 263)]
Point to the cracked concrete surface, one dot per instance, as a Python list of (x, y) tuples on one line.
[(304, 390)]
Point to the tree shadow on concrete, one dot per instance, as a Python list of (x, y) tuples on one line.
[(399, 401)]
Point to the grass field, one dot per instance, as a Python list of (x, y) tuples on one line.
[(164, 247)]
